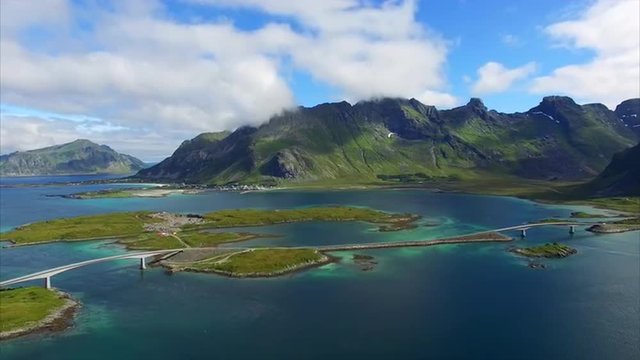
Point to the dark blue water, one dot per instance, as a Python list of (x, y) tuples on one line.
[(468, 301)]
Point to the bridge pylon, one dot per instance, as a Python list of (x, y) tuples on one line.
[(47, 282), (523, 232), (143, 264)]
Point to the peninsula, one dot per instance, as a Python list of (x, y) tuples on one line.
[(33, 309)]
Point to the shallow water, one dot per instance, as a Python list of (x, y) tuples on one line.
[(453, 301)]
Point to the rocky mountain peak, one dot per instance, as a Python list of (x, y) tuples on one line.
[(476, 103)]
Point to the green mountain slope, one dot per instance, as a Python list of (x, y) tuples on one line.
[(77, 157), (405, 140), (620, 178)]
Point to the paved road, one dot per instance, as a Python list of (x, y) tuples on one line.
[(142, 255), (57, 270)]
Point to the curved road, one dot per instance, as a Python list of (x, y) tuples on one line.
[(47, 274)]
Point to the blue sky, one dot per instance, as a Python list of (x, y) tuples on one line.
[(142, 76)]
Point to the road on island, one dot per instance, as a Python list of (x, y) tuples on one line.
[(466, 238)]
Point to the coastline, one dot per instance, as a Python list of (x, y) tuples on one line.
[(58, 320)]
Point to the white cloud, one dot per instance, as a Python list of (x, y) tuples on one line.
[(363, 50), (137, 68), (438, 99), (494, 77), (611, 29)]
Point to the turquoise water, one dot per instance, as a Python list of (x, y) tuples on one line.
[(467, 301)]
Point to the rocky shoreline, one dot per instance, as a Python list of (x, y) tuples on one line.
[(612, 228), (59, 320)]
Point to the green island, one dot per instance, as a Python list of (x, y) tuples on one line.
[(130, 192), (29, 309), (549, 250), (266, 262), (155, 231), (259, 217), (91, 227), (586, 215), (630, 224)]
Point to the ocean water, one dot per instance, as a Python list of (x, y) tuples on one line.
[(466, 301)]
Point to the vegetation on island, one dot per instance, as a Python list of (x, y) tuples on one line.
[(130, 192), (102, 194), (630, 204), (586, 215), (30, 308), (258, 217), (258, 262), (153, 231), (549, 250), (91, 227), (624, 225)]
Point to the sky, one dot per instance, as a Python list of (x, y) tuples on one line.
[(143, 76)]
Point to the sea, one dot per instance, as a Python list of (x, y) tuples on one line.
[(463, 301)]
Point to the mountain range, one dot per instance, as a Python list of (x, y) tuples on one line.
[(77, 157), (392, 139)]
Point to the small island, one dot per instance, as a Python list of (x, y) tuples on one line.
[(364, 262), (130, 192), (549, 250), (586, 215), (266, 262), (33, 309), (631, 224)]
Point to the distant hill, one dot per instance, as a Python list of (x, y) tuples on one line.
[(620, 178), (77, 157), (629, 113), (404, 140)]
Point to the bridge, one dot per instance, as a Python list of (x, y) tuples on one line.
[(142, 256), (49, 273), (524, 227)]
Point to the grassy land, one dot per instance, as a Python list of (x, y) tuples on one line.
[(257, 217), (129, 228), (260, 262), (104, 194), (24, 307), (549, 250), (585, 215), (631, 224), (81, 228), (626, 204), (630, 221), (549, 220), (538, 190)]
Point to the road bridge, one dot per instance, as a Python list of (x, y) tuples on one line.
[(49, 273)]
